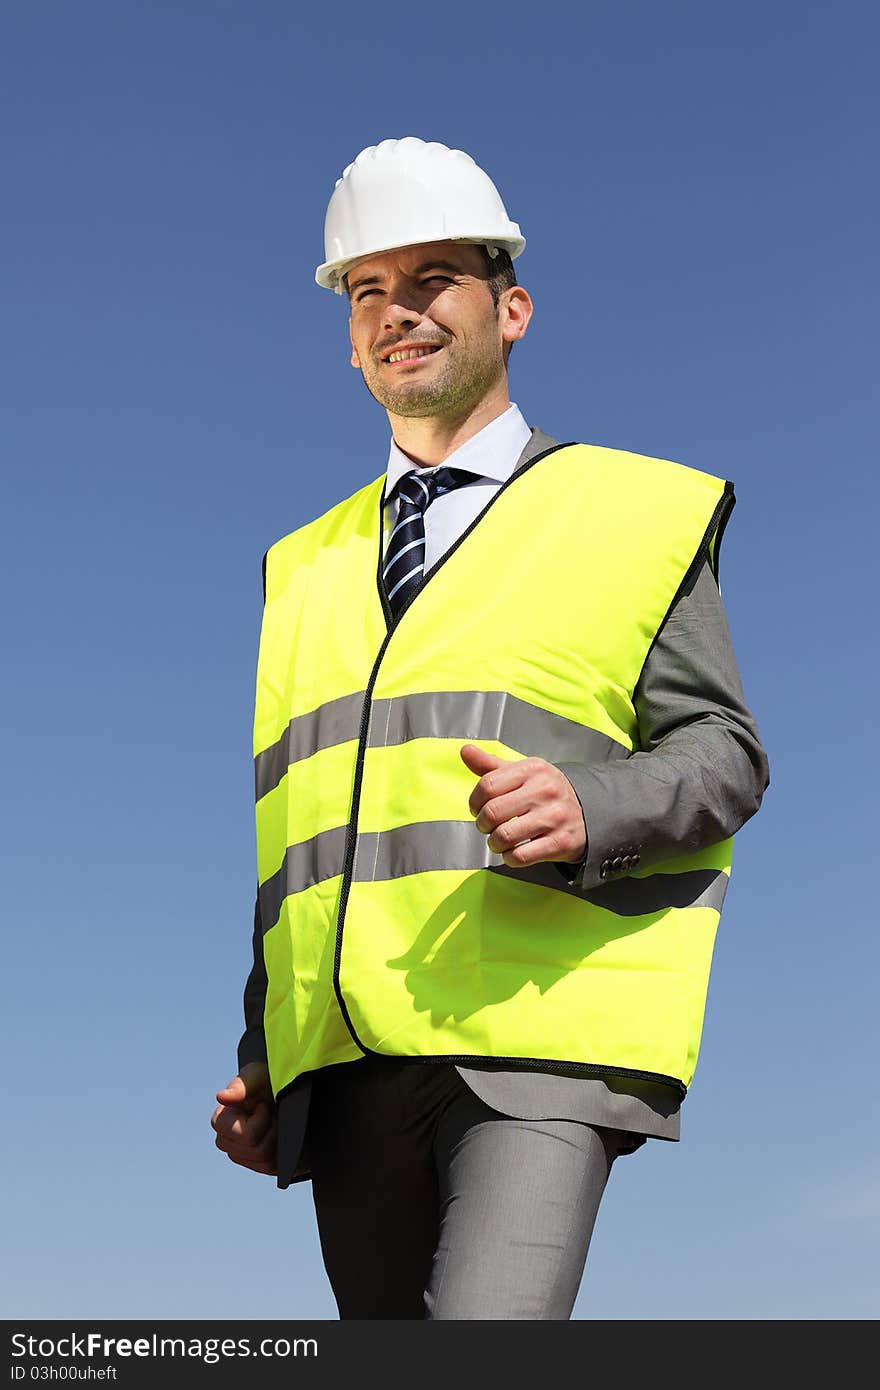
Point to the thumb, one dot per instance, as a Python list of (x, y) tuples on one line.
[(478, 760), (252, 1084), (233, 1093)]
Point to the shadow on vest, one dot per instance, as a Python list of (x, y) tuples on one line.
[(485, 943)]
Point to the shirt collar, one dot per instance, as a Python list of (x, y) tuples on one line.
[(490, 453)]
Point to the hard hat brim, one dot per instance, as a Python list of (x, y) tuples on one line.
[(329, 275)]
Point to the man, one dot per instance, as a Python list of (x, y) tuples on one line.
[(501, 747)]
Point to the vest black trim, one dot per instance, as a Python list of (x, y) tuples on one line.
[(585, 1069)]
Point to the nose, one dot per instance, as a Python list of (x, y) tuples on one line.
[(398, 316)]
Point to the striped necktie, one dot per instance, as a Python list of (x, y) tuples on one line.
[(405, 553)]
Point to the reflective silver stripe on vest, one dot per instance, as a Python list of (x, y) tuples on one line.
[(464, 714), (414, 849), (489, 714), (302, 866), (337, 721)]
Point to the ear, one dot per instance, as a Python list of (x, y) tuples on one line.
[(355, 359), (515, 311)]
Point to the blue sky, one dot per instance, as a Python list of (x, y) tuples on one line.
[(698, 191)]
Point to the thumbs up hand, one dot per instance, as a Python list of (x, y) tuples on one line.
[(527, 807)]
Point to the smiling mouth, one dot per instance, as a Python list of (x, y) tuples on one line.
[(405, 357)]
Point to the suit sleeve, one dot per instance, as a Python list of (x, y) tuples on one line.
[(700, 770), (252, 1044)]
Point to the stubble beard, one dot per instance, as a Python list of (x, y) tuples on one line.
[(450, 392)]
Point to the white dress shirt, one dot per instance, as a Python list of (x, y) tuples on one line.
[(491, 455)]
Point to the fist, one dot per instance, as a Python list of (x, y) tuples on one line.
[(245, 1120), (527, 808)]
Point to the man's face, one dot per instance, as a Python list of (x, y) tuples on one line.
[(434, 295)]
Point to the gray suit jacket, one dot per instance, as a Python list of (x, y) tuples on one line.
[(699, 773)]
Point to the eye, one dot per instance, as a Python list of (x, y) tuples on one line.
[(445, 279), (364, 294)]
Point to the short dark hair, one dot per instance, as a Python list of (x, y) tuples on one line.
[(501, 277), (500, 271)]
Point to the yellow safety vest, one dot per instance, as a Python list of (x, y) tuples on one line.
[(389, 925)]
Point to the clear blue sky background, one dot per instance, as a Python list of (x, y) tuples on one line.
[(699, 193)]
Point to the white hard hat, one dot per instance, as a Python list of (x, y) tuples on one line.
[(404, 192)]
